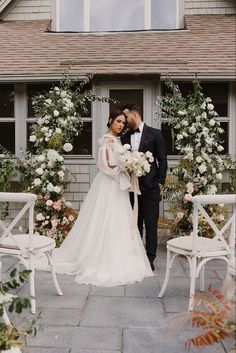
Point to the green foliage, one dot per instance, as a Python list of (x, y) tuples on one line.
[(199, 170)]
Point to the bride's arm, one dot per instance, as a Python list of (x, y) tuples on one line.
[(106, 158)]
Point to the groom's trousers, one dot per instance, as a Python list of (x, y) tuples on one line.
[(148, 213)]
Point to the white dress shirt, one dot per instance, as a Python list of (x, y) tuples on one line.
[(136, 138)]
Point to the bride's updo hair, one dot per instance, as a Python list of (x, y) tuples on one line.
[(113, 115)]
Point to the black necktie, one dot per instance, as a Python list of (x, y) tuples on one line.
[(134, 130)]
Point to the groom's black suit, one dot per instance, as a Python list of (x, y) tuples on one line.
[(151, 140)]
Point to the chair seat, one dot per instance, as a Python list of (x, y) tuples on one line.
[(185, 243), (40, 242)]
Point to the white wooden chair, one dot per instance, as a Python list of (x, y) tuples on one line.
[(199, 250), (26, 247)]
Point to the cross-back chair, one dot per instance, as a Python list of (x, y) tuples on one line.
[(25, 247), (199, 250)]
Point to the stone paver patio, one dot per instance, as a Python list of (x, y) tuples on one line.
[(125, 319)]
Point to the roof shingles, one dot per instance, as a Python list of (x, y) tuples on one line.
[(207, 46)]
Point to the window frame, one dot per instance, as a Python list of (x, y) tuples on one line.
[(7, 119), (179, 23)]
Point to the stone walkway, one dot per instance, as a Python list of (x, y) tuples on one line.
[(124, 319)]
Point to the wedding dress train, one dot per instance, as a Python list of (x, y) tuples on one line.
[(104, 248)]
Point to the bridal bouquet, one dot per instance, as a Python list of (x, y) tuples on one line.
[(136, 163)]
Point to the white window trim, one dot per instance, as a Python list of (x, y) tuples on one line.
[(179, 23)]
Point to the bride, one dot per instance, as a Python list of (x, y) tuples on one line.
[(104, 247)]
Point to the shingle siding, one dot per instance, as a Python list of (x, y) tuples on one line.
[(210, 7), (30, 10)]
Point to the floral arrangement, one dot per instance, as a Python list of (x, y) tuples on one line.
[(6, 172), (136, 163), (198, 140), (13, 337), (43, 173)]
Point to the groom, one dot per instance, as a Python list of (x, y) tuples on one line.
[(144, 138)]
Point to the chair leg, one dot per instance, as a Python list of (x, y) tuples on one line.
[(32, 286), (167, 276), (202, 278), (54, 276), (193, 270)]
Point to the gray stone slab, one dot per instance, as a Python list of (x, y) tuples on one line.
[(156, 341), (94, 351), (178, 270), (122, 312), (47, 297), (108, 291), (62, 317), (149, 287), (46, 350), (78, 338)]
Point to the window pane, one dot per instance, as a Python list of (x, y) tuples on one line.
[(126, 96), (83, 142), (33, 90), (7, 136), (163, 14), (71, 15), (169, 137), (6, 101), (119, 15)]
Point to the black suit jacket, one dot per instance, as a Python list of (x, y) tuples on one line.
[(151, 140)]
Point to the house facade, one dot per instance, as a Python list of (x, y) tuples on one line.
[(129, 51)]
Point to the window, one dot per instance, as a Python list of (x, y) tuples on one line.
[(7, 117), (219, 93), (83, 142), (121, 15)]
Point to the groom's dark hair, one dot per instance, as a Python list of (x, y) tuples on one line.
[(134, 108)]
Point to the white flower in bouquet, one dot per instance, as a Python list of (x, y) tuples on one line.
[(126, 147), (33, 138), (67, 147), (135, 162), (39, 171)]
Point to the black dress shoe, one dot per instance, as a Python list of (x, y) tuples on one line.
[(152, 266)]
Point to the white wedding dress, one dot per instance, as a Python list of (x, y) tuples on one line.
[(104, 247)]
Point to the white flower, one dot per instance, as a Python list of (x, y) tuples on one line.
[(213, 169), (67, 147), (202, 168), (68, 204), (39, 171), (49, 202), (127, 147), (220, 130), (179, 137), (40, 217), (219, 176), (204, 115), (57, 189), (211, 189), (187, 197), (220, 148), (212, 122), (184, 122), (33, 138), (62, 122), (210, 106), (192, 129), (149, 154), (54, 223), (203, 106), (190, 188), (60, 158), (58, 130), (198, 118), (50, 187), (44, 129), (56, 113), (41, 158), (37, 182), (61, 174), (199, 159), (63, 94), (66, 109), (181, 112), (71, 218)]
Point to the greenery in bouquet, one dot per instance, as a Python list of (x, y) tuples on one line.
[(198, 140), (42, 172), (13, 336)]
